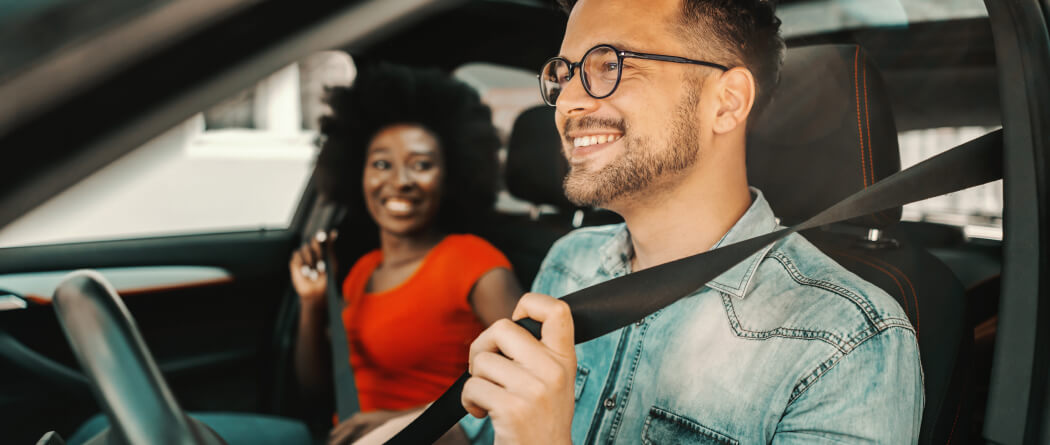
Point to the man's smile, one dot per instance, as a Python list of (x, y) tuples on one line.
[(584, 144)]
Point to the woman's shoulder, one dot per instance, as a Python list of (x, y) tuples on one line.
[(361, 271), (465, 244)]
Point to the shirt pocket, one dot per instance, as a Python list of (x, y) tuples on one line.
[(581, 380), (663, 427)]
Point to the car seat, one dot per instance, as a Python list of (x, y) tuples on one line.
[(534, 172), (828, 133)]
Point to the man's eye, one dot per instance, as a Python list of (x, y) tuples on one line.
[(611, 66), (380, 164)]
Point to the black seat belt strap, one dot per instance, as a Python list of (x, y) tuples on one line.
[(329, 215), (608, 306)]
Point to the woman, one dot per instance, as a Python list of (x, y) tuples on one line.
[(415, 152)]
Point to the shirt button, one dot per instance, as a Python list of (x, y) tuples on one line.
[(610, 403)]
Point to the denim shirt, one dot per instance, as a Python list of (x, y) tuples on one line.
[(787, 347)]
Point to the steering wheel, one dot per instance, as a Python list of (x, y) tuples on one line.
[(121, 372)]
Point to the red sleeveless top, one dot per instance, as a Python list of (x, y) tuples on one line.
[(409, 343)]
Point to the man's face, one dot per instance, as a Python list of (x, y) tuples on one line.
[(649, 125)]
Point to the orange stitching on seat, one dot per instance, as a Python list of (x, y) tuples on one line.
[(867, 120), (952, 433), (860, 129), (877, 217), (859, 259), (915, 295)]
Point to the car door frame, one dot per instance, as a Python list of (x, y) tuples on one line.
[(1018, 410)]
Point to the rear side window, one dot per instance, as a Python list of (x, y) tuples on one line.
[(240, 165), (978, 210)]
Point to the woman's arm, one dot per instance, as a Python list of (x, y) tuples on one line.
[(313, 355), (495, 295), (313, 358)]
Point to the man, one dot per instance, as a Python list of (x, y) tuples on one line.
[(786, 347)]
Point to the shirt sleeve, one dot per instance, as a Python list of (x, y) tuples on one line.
[(478, 431), (474, 258), (874, 394)]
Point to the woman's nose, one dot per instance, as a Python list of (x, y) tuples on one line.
[(402, 178)]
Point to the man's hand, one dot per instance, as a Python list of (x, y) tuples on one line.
[(525, 385)]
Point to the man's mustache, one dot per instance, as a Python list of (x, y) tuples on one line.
[(592, 123)]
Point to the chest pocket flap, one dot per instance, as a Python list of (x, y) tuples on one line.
[(663, 427), (581, 380)]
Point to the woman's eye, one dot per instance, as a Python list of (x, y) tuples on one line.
[(380, 164), (424, 165)]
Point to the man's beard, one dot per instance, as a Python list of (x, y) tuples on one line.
[(640, 165)]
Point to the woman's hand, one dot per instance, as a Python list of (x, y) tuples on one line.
[(309, 270), (389, 429), (361, 424)]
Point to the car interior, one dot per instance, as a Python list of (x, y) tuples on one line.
[(214, 309)]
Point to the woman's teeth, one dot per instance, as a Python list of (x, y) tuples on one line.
[(398, 205), (585, 141)]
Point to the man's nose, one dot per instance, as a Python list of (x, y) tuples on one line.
[(573, 99)]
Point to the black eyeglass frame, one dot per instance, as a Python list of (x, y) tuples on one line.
[(620, 55)]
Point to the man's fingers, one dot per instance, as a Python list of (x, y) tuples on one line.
[(558, 332), (503, 372), (480, 396), (507, 338)]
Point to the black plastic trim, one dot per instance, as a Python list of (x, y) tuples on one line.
[(1016, 410)]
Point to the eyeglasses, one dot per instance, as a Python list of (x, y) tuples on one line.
[(602, 67)]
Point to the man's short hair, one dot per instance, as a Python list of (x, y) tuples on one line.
[(744, 32)]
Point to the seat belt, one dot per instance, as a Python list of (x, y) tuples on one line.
[(613, 304), (328, 215), (346, 402)]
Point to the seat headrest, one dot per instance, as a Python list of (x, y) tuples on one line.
[(827, 133), (535, 165)]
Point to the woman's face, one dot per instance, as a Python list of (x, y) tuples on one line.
[(403, 177)]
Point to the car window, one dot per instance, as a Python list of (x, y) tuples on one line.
[(240, 165), (819, 16), (978, 211), (507, 91)]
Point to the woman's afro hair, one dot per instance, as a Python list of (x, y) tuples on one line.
[(383, 95)]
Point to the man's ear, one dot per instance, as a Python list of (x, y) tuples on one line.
[(736, 96)]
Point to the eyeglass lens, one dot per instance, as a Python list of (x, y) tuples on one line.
[(600, 74), (553, 78)]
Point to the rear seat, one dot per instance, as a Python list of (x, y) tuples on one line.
[(534, 172)]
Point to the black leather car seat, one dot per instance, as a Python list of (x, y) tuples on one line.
[(534, 172), (828, 133), (536, 167)]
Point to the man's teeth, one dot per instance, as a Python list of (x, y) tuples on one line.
[(584, 141), (398, 205)]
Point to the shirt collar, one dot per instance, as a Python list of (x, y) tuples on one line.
[(758, 220)]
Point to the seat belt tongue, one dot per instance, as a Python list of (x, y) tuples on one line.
[(613, 304)]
